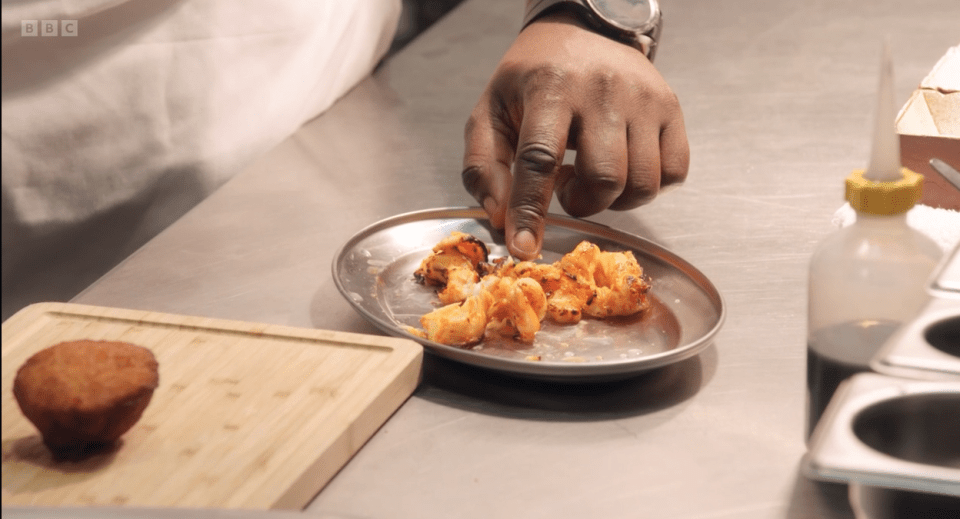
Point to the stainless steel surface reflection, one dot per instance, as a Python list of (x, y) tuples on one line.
[(890, 503), (928, 347), (946, 281), (374, 272), (128, 512), (772, 134), (919, 428), (944, 335), (892, 433)]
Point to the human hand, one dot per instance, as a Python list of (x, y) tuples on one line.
[(561, 86)]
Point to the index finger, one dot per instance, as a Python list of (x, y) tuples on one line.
[(542, 141)]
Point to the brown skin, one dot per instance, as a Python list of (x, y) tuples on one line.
[(561, 86)]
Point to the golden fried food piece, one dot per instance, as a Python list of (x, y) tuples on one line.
[(508, 306), (566, 295), (625, 295), (512, 298), (534, 295), (617, 278), (459, 250), (457, 324), (517, 307), (85, 393), (461, 284)]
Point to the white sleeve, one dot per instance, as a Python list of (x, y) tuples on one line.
[(155, 104)]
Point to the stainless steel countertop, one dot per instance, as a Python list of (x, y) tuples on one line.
[(778, 98)]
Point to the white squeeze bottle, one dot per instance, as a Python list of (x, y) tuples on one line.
[(869, 277)]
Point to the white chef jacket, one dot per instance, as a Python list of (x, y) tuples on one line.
[(136, 110)]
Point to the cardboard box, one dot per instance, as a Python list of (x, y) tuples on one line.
[(929, 127)]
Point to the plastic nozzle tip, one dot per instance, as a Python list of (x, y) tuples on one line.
[(885, 157)]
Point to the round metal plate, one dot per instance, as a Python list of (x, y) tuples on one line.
[(374, 272)]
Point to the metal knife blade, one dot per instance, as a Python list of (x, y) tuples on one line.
[(946, 171)]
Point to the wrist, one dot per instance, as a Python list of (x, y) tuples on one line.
[(561, 16), (636, 23)]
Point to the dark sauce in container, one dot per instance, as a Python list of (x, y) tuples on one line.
[(836, 353)]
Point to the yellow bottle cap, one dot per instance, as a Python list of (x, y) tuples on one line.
[(884, 197)]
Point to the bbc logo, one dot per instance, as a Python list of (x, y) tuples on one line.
[(48, 28)]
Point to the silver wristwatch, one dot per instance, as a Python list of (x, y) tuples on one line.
[(634, 22)]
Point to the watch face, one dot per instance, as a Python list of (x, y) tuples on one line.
[(632, 15)]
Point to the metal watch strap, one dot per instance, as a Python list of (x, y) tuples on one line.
[(643, 42)]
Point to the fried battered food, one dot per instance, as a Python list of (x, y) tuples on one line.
[(457, 251), (517, 308), (461, 284), (507, 306), (566, 294), (512, 298), (457, 324), (81, 394), (619, 287)]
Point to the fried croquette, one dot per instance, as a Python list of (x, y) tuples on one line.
[(81, 394)]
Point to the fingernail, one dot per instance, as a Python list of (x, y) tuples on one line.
[(525, 242)]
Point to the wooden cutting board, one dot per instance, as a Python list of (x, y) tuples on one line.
[(246, 415)]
